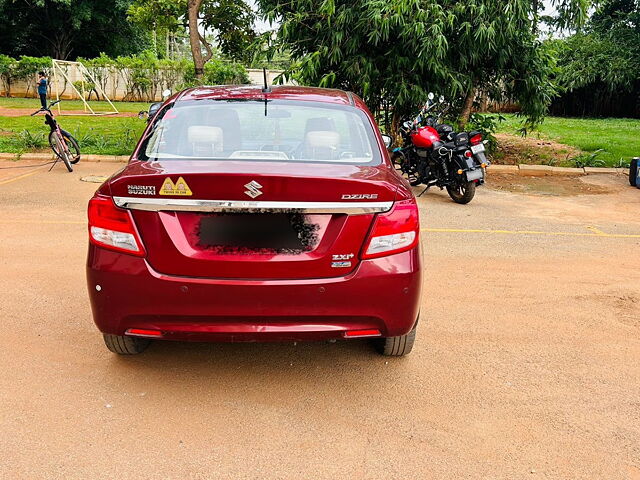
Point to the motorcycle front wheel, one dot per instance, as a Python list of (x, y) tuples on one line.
[(401, 163), (462, 193)]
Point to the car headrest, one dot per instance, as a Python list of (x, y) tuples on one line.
[(205, 140), (319, 123), (322, 139)]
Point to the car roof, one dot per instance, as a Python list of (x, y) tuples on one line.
[(284, 92)]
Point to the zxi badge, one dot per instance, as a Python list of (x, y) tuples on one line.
[(253, 189)]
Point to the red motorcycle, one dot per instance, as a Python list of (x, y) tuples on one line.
[(433, 154)]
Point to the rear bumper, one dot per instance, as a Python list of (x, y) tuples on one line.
[(382, 293)]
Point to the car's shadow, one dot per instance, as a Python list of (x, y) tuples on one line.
[(201, 359), (229, 372)]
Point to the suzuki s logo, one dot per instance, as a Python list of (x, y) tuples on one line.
[(253, 189)]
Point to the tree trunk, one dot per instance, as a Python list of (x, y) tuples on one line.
[(194, 37), (466, 108), (395, 127), (484, 102)]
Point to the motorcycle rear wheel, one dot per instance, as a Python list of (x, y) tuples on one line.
[(462, 193)]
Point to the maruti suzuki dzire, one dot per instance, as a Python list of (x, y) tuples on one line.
[(250, 214)]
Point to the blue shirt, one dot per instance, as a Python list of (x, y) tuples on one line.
[(42, 86)]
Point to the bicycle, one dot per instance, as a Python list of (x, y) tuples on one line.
[(62, 143)]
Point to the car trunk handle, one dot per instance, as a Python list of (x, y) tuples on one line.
[(194, 205)]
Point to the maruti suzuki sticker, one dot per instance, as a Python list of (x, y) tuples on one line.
[(179, 188), (141, 189)]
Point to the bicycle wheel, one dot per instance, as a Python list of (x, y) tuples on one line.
[(72, 146), (60, 149)]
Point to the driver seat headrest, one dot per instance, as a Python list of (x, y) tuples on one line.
[(205, 140)]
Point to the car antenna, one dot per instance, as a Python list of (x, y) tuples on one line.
[(266, 88)]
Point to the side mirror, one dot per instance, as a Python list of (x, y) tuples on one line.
[(166, 93), (441, 99), (153, 109), (431, 96), (387, 140)]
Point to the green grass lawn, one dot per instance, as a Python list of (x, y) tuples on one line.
[(101, 106), (96, 135), (618, 138)]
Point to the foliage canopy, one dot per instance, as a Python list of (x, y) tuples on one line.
[(65, 29), (395, 51)]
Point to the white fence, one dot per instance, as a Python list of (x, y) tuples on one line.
[(114, 85)]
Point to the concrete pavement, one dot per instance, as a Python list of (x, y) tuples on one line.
[(526, 363)]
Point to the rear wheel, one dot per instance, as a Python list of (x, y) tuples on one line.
[(397, 346), (462, 193), (633, 172), (123, 345)]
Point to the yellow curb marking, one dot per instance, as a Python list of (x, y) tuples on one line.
[(596, 230), (48, 222), (528, 232), (4, 182)]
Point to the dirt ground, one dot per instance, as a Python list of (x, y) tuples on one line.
[(515, 149), (559, 186), (526, 366)]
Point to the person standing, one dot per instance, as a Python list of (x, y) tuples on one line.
[(42, 88)]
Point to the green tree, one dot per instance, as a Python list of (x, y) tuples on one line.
[(394, 51), (7, 73), (26, 69), (597, 68), (65, 29), (230, 23)]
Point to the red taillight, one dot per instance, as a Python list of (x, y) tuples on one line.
[(476, 139), (112, 227), (395, 231)]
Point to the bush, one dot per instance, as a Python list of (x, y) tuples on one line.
[(138, 71), (27, 67), (86, 87), (487, 125), (101, 69), (32, 140), (7, 72), (217, 72), (143, 75)]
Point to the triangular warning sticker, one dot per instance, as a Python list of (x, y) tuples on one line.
[(179, 188), (167, 187), (182, 188)]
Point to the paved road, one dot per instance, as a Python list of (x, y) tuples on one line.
[(526, 366)]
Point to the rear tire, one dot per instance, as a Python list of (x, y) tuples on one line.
[(397, 346), (633, 172), (123, 345), (462, 193)]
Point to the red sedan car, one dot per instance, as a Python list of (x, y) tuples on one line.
[(247, 214)]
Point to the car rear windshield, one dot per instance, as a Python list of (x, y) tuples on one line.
[(273, 130)]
